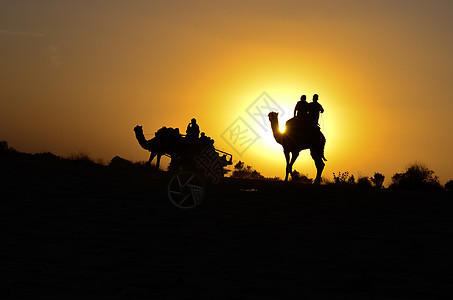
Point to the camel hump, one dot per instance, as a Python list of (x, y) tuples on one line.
[(302, 126), (168, 132)]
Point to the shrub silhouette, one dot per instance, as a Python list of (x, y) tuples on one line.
[(378, 180), (3, 146), (343, 178), (46, 156), (364, 182), (301, 178), (82, 157), (119, 162), (326, 181), (416, 177), (449, 185), (241, 171)]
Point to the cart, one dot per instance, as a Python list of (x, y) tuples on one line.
[(196, 164)]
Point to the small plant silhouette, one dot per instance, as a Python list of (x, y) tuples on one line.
[(343, 178), (241, 171), (449, 185), (81, 156), (364, 182), (301, 178), (378, 180), (119, 162), (3, 146), (46, 156)]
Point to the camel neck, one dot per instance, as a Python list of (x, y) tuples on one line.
[(142, 140), (278, 136)]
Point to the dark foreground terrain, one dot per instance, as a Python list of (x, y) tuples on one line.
[(75, 230)]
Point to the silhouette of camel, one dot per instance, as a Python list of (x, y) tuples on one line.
[(296, 138), (166, 141)]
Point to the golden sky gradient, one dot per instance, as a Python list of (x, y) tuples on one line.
[(77, 76)]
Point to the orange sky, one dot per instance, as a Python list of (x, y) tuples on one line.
[(77, 76)]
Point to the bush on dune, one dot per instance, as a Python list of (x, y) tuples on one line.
[(241, 171), (3, 146), (416, 177), (46, 156), (326, 181), (301, 178), (378, 180), (364, 182), (449, 185), (343, 178), (5, 149), (119, 162), (80, 157)]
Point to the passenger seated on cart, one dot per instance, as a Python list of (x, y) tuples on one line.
[(205, 140), (193, 131)]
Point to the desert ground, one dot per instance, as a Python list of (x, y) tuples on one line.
[(77, 230)]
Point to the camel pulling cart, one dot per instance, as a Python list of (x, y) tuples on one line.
[(195, 162)]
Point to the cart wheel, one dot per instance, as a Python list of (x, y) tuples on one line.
[(186, 190)]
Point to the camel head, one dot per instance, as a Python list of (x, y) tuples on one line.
[(273, 117), (141, 138), (138, 129)]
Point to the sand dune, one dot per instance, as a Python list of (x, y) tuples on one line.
[(72, 230)]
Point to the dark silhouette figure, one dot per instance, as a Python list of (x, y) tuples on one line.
[(193, 131), (301, 109), (205, 139), (166, 141), (298, 137), (314, 108)]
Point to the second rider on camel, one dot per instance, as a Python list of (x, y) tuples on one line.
[(314, 108)]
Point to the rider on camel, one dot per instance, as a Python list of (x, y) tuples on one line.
[(301, 109), (314, 108)]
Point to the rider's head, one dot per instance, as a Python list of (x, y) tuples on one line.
[(193, 121), (303, 98), (315, 98)]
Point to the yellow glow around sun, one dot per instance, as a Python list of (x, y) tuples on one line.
[(236, 89)]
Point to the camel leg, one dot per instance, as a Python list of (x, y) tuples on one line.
[(158, 161), (287, 164), (151, 157), (319, 163), (294, 156)]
